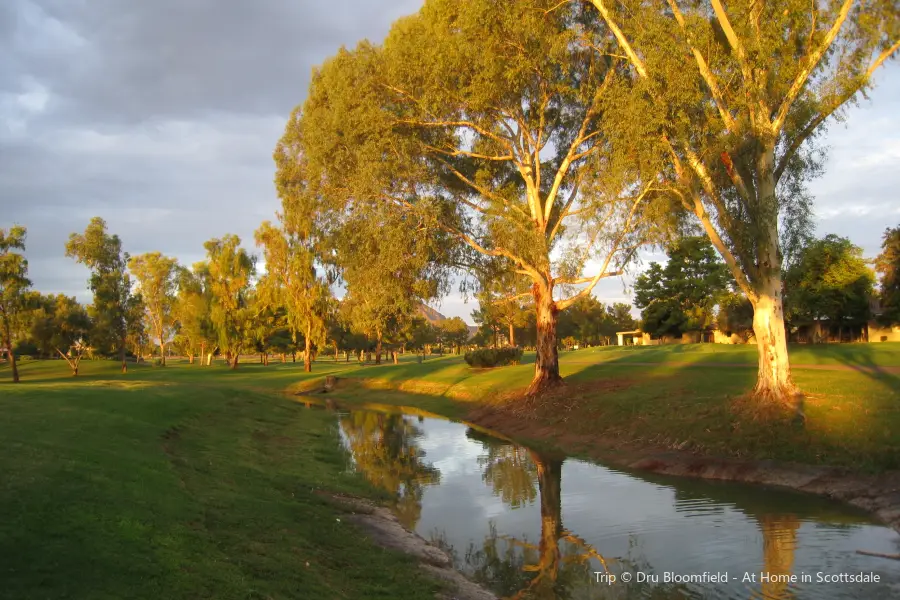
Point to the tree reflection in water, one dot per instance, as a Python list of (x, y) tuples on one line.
[(385, 452), (779, 534), (561, 565)]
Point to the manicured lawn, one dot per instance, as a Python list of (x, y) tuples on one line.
[(179, 483)]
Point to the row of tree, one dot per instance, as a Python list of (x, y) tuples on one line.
[(827, 280), (218, 306)]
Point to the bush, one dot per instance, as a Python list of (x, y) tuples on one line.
[(494, 357)]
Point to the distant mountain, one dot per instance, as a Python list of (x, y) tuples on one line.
[(431, 315), (434, 317)]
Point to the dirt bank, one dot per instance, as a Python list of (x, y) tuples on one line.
[(878, 494), (385, 530)]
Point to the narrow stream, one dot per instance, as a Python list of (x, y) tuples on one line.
[(528, 524)]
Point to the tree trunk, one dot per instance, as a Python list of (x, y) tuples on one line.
[(336, 352), (774, 382), (234, 363), (162, 353), (546, 364), (396, 357), (307, 356), (512, 335), (378, 336), (294, 356), (190, 358), (262, 359), (202, 352), (10, 355), (122, 356), (283, 358)]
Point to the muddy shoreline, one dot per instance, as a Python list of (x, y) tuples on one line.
[(384, 529)]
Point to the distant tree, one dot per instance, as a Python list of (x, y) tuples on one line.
[(888, 266), (192, 311), (230, 271), (682, 295), (388, 264), (830, 280), (421, 334), (110, 283), (588, 321), (735, 315), (136, 331), (504, 297), (620, 313), (489, 324), (13, 284), (157, 283), (291, 283), (454, 332), (65, 328)]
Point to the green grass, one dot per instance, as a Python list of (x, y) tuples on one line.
[(179, 483), (200, 482)]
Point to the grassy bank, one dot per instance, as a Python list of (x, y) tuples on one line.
[(179, 483), (682, 397)]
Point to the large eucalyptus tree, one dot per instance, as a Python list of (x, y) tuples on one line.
[(487, 120), (735, 95)]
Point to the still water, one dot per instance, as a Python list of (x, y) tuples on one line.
[(529, 524)]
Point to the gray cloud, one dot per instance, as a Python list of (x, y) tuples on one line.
[(161, 117)]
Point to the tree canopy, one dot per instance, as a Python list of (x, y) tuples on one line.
[(888, 266), (830, 281), (682, 296)]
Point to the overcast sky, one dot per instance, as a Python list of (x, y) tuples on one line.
[(161, 117)]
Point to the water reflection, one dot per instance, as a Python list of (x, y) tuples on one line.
[(385, 451), (498, 508)]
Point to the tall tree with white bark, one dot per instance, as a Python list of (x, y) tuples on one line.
[(736, 95)]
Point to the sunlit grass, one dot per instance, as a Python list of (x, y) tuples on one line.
[(179, 482)]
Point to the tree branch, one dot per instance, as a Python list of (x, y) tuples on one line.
[(629, 51), (707, 75), (811, 60), (830, 109)]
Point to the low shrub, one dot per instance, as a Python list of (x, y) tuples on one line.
[(494, 357)]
